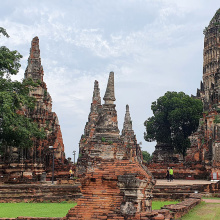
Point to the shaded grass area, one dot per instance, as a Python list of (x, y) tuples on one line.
[(13, 210), (159, 204), (204, 211)]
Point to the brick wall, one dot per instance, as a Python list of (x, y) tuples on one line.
[(38, 193)]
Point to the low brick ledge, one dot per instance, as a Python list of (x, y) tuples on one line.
[(176, 211)]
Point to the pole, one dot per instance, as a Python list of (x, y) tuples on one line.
[(53, 168), (74, 154)]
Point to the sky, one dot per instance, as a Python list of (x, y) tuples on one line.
[(152, 46)]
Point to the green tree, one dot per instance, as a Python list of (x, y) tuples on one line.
[(176, 117), (146, 156), (15, 128)]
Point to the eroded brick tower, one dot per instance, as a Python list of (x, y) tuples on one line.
[(32, 162), (210, 87), (42, 114), (206, 141), (115, 183)]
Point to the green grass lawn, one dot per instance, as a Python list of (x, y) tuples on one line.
[(159, 204), (204, 211), (12, 210)]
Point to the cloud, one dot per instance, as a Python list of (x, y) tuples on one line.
[(152, 46)]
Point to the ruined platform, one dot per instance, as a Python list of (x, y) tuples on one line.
[(182, 189)]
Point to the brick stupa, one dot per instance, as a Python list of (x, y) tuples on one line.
[(28, 164), (115, 183), (205, 143), (43, 114)]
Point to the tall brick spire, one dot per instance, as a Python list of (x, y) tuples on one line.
[(206, 138), (95, 108), (34, 69), (127, 131), (110, 90), (43, 113), (209, 90), (96, 99), (127, 121), (107, 124)]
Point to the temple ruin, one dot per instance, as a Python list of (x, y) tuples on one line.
[(36, 160), (206, 141), (115, 183), (42, 114), (203, 157)]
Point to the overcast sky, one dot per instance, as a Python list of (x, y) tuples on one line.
[(153, 46)]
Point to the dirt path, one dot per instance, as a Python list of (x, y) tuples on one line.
[(182, 182), (211, 200)]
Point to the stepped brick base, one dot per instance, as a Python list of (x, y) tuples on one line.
[(178, 191)]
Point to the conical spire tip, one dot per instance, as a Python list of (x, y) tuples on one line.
[(110, 90)]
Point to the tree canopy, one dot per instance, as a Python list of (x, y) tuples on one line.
[(146, 156), (176, 117), (16, 129), (9, 60)]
